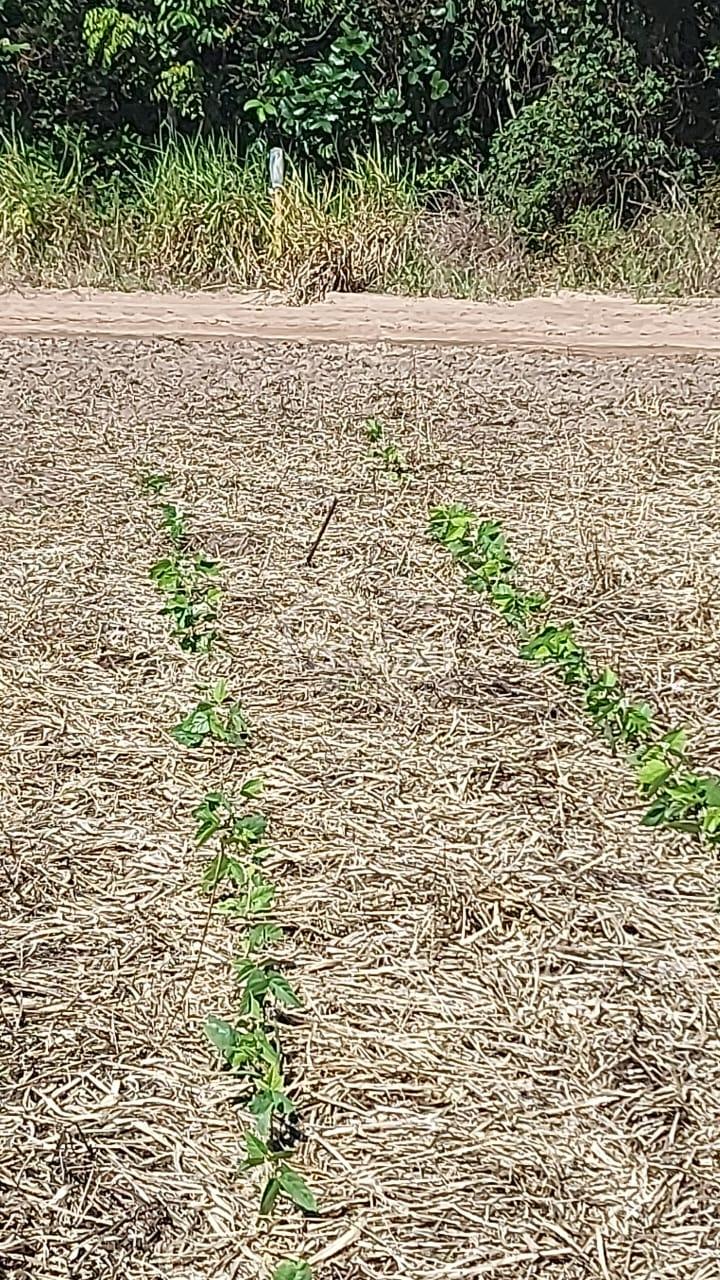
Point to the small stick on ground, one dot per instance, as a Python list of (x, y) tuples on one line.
[(328, 517)]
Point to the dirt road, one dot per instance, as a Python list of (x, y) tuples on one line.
[(578, 323)]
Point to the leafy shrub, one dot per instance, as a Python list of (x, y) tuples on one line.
[(591, 134)]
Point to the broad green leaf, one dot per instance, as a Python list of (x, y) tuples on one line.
[(653, 817), (652, 773), (185, 736), (191, 731), (258, 1152), (291, 1270), (268, 1053), (250, 1050), (269, 1196), (272, 1100), (219, 692), (255, 978), (675, 742), (206, 830), (274, 1080), (711, 820), (235, 871), (262, 1108), (222, 1035), (711, 789), (608, 678), (636, 722), (251, 827), (235, 729), (296, 1189), (215, 725), (438, 86), (262, 935), (268, 1103), (280, 990), (252, 788), (260, 898)]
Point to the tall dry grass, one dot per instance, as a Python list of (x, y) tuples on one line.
[(195, 215), (198, 216)]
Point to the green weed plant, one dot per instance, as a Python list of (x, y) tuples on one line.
[(216, 718), (155, 482), (386, 455), (291, 1270)]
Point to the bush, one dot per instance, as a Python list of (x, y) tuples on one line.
[(559, 105), (592, 136)]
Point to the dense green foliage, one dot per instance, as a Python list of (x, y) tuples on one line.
[(556, 102)]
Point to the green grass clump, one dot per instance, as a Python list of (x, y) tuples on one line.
[(194, 214), (45, 218)]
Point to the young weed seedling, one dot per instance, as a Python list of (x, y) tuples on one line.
[(155, 482), (216, 717), (192, 596), (292, 1270)]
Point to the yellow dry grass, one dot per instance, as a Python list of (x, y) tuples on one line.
[(508, 1061)]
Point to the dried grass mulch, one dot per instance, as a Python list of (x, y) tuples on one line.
[(509, 1060)]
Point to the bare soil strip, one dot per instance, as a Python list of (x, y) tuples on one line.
[(509, 1057), (573, 322)]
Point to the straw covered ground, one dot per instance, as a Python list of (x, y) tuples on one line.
[(508, 1060)]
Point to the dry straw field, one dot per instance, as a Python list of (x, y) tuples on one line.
[(507, 1057)]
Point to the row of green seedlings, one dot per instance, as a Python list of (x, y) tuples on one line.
[(238, 887), (679, 798), (189, 582)]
